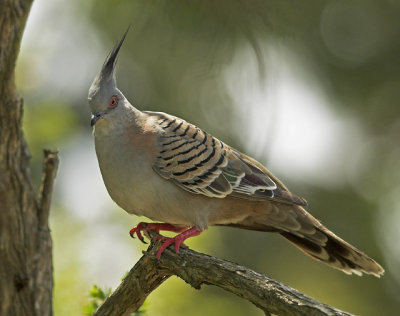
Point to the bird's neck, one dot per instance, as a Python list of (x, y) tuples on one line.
[(116, 122)]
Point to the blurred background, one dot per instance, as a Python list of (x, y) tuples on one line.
[(309, 88)]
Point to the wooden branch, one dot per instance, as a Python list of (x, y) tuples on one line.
[(196, 269), (143, 278), (50, 167), (43, 254)]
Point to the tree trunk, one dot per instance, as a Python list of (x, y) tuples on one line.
[(25, 243)]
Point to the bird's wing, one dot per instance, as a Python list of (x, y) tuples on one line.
[(202, 164)]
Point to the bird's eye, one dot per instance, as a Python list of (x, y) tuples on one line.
[(113, 102)]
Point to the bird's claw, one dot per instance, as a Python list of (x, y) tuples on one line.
[(137, 230), (156, 227), (177, 240), (167, 241)]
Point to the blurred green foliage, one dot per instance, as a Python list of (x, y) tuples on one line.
[(174, 60), (49, 123), (97, 296)]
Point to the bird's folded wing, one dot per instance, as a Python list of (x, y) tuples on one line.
[(202, 164)]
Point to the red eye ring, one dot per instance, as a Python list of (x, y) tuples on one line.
[(114, 101)]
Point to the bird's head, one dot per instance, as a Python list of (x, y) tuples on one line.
[(104, 96)]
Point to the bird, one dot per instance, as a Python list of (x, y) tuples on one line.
[(164, 168)]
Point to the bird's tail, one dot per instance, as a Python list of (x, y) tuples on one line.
[(314, 239), (335, 252)]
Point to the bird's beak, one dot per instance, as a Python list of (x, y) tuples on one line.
[(95, 117), (107, 71)]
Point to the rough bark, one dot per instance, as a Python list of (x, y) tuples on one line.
[(25, 242), (196, 269)]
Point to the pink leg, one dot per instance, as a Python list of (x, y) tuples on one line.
[(153, 226), (178, 240)]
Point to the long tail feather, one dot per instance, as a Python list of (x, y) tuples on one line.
[(337, 253), (303, 230)]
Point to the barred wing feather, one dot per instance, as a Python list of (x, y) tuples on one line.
[(202, 164)]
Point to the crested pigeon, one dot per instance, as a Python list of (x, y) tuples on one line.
[(159, 166)]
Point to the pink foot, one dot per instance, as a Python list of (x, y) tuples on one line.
[(166, 238), (153, 226), (178, 240)]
